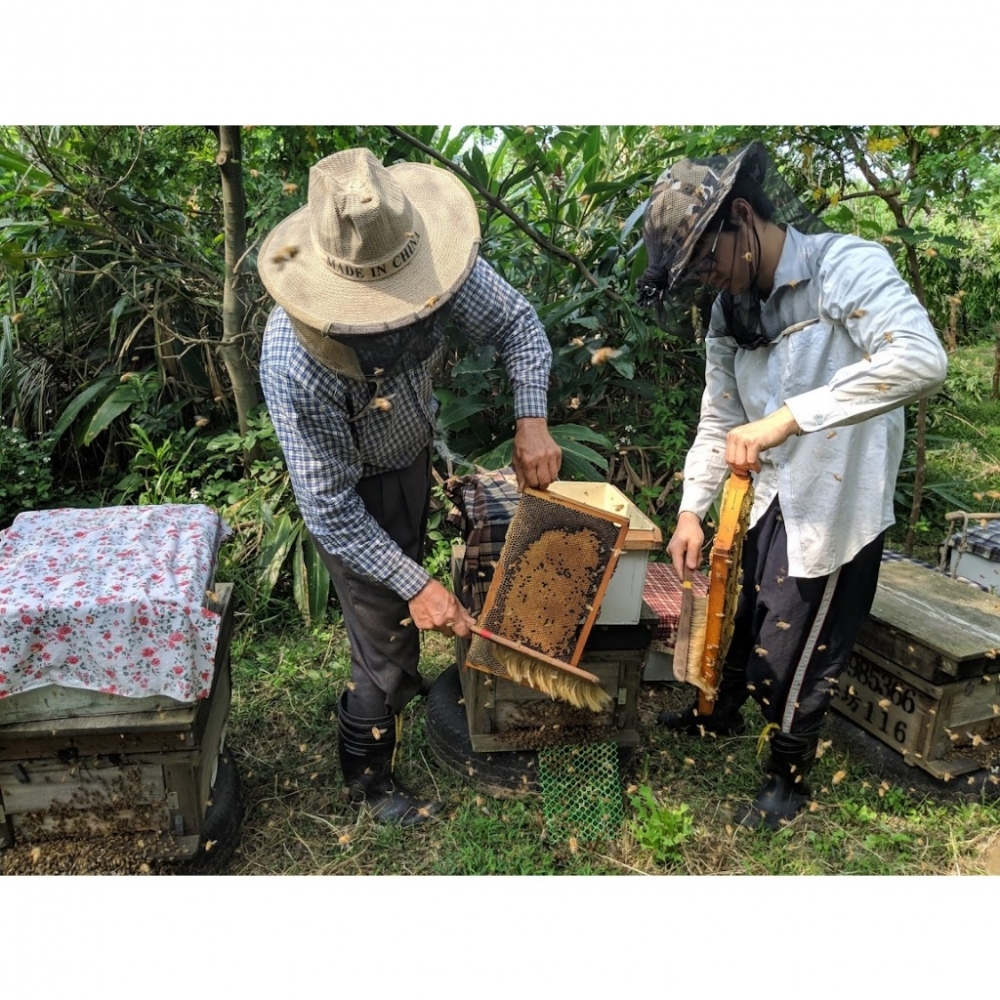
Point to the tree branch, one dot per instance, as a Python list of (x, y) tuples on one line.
[(501, 207)]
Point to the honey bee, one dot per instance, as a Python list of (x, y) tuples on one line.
[(603, 355), (285, 254)]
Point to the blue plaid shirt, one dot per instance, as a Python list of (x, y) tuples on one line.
[(332, 435)]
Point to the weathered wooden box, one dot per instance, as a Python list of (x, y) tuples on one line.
[(973, 553), (84, 763), (923, 676), (503, 715)]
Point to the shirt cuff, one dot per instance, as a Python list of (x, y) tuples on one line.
[(407, 579), (530, 401)]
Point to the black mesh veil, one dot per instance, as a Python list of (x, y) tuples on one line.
[(398, 350), (686, 203)]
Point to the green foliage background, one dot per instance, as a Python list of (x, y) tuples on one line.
[(111, 271)]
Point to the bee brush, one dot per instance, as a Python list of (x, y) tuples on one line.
[(689, 644), (559, 680)]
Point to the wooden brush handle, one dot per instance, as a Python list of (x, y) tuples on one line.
[(519, 647)]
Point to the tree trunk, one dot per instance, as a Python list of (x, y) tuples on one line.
[(919, 475), (234, 302), (951, 335), (996, 371), (920, 443)]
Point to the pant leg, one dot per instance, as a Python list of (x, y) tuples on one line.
[(792, 672), (384, 654)]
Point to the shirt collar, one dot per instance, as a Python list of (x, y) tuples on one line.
[(793, 264)]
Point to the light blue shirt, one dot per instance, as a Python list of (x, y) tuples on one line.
[(332, 435), (851, 345)]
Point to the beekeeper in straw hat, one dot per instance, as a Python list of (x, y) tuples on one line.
[(366, 277), (814, 346)]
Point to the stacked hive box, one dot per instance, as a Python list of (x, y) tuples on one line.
[(84, 763), (503, 715), (114, 676), (923, 676)]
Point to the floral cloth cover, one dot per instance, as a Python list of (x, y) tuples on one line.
[(110, 600)]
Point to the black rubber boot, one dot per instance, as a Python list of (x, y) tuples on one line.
[(785, 793), (366, 760), (726, 718)]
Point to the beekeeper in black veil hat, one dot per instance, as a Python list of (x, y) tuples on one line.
[(814, 346), (366, 277)]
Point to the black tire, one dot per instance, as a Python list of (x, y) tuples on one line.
[(888, 764), (506, 774), (223, 820)]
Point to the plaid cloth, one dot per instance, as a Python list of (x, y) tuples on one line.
[(484, 507), (982, 539), (889, 556), (662, 592)]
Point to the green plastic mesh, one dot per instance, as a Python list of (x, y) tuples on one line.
[(581, 791)]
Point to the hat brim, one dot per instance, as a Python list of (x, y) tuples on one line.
[(701, 221), (299, 280)]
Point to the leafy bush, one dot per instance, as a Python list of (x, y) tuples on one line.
[(26, 481), (660, 830)]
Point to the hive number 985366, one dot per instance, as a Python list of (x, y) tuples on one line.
[(883, 685)]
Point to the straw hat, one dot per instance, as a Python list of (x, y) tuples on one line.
[(685, 198), (374, 249)]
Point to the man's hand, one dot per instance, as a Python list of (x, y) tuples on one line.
[(685, 544), (744, 444), (437, 608), (537, 458)]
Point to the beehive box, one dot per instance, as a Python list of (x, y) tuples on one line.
[(84, 763), (622, 601), (505, 716), (923, 674)]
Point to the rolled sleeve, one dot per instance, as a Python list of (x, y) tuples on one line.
[(902, 356)]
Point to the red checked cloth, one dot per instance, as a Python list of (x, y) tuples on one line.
[(662, 592), (110, 600)]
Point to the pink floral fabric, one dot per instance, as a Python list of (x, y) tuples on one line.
[(110, 600)]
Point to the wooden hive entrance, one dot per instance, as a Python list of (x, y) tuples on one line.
[(77, 763)]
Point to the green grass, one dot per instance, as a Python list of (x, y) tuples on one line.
[(283, 734), (681, 795), (968, 416), (963, 452)]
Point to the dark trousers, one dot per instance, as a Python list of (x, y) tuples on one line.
[(793, 636), (384, 653)]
